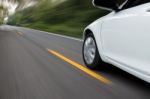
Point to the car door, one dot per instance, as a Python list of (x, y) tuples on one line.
[(126, 38)]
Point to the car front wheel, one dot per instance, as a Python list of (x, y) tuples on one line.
[(90, 53)]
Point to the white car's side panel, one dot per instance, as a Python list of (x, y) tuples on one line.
[(127, 36), (123, 40), (116, 62)]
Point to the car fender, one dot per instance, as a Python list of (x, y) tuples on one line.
[(95, 28)]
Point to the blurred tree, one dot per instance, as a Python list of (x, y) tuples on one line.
[(62, 16)]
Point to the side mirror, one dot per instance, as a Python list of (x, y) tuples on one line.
[(106, 4)]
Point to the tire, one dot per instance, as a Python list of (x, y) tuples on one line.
[(96, 61)]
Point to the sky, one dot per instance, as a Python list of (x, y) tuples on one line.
[(9, 7)]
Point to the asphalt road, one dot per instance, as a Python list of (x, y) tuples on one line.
[(37, 65)]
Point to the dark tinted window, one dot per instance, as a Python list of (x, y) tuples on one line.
[(132, 3)]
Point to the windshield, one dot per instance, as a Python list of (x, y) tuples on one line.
[(132, 3)]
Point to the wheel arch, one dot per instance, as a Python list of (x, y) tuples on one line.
[(88, 31)]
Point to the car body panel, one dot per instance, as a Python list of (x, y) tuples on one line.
[(123, 39)]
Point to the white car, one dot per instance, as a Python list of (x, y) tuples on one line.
[(121, 38)]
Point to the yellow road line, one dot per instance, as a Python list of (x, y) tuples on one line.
[(82, 68), (19, 33)]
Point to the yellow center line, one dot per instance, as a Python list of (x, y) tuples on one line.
[(19, 33), (82, 68)]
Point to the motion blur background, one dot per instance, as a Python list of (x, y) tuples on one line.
[(68, 17)]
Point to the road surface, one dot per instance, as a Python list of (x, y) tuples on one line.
[(38, 65)]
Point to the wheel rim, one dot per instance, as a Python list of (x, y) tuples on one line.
[(89, 50)]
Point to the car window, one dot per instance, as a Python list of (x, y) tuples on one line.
[(132, 3)]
